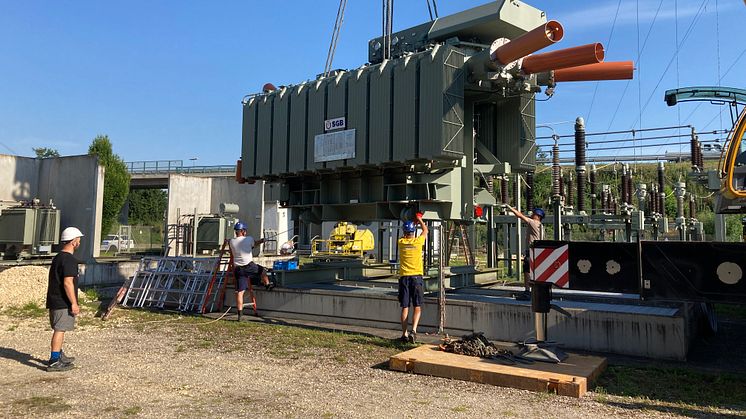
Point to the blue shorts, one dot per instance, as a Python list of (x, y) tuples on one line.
[(411, 291), (251, 272)]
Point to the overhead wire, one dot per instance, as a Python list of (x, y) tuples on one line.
[(657, 137), (604, 133), (717, 44), (688, 32), (675, 43), (738, 58), (636, 146), (642, 50), (608, 46), (8, 148), (639, 70)]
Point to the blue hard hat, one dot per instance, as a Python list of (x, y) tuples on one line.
[(539, 212), (239, 226), (408, 227)]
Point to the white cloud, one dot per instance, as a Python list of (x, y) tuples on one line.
[(603, 14)]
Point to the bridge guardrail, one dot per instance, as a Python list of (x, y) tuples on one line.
[(173, 166)]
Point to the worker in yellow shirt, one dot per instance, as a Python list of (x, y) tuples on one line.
[(411, 269)]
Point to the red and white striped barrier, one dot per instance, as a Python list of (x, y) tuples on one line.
[(550, 264)]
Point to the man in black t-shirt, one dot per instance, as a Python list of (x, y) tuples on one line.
[(62, 297)]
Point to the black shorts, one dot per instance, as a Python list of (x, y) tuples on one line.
[(251, 272), (411, 291)]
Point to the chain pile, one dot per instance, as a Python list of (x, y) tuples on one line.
[(473, 345), (476, 344)]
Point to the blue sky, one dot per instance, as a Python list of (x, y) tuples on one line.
[(164, 79)]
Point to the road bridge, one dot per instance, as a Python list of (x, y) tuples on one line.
[(153, 174)]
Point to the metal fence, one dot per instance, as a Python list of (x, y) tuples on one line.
[(174, 166)]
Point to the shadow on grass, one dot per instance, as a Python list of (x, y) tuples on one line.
[(680, 410), (682, 391), (23, 358)]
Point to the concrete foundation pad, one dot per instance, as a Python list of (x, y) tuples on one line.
[(627, 329)]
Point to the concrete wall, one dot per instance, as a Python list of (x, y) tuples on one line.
[(205, 194), (612, 328), (19, 178), (249, 197), (74, 183)]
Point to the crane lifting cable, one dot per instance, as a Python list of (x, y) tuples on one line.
[(431, 8), (388, 26), (335, 37)]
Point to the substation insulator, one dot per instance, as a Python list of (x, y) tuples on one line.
[(594, 191), (693, 152), (692, 207), (516, 185), (661, 180), (504, 189), (556, 170), (630, 188)]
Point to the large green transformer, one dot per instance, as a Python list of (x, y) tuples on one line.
[(415, 132)]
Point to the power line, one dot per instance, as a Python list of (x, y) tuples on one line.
[(591, 134), (688, 32), (8, 148), (642, 50), (659, 137), (608, 46), (590, 150), (719, 81)]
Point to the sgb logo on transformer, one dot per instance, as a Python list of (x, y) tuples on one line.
[(336, 123)]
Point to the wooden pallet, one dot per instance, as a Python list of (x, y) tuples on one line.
[(570, 378)]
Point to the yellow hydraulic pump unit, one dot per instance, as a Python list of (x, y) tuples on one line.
[(345, 241)]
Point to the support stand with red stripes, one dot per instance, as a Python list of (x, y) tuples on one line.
[(549, 267)]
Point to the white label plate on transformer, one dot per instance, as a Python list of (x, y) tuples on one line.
[(335, 123), (338, 145)]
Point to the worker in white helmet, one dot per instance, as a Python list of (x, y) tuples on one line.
[(62, 297)]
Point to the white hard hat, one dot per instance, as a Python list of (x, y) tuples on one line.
[(70, 233)]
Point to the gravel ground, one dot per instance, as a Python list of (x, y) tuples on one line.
[(154, 366), (23, 284)]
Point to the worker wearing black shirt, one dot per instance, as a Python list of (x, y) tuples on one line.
[(62, 297)]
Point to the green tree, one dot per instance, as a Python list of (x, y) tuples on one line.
[(116, 180), (44, 153), (147, 206)]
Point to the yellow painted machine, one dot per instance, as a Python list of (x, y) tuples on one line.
[(345, 241)]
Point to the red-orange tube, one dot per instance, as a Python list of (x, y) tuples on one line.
[(563, 58), (613, 70), (540, 37)]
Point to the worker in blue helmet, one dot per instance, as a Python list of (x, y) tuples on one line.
[(245, 270), (534, 231), (411, 269)]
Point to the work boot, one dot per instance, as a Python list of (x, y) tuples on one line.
[(59, 366), (412, 337), (65, 358)]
